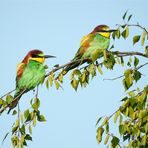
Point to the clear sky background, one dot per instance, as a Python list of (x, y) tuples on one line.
[(56, 27)]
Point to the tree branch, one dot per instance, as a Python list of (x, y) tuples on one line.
[(64, 65), (131, 53)]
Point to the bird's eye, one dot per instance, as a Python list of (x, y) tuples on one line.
[(34, 55)]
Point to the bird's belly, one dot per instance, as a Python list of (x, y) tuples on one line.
[(31, 79)]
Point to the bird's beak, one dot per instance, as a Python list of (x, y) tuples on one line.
[(112, 30), (49, 56)]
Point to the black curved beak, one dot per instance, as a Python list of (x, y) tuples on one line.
[(112, 30), (49, 56)]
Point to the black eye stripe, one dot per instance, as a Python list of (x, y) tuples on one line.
[(36, 56)]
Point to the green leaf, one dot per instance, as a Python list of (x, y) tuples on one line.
[(34, 120), (105, 121), (125, 33), (41, 118), (107, 127), (121, 119), (105, 55), (124, 15), (100, 70), (146, 51), (75, 83), (51, 80), (98, 121), (137, 75), (9, 99), (56, 66), (47, 84), (5, 137), (14, 112), (122, 61), (60, 78), (21, 118), (99, 134), (116, 116), (77, 72), (106, 139), (1, 102), (117, 33), (121, 129), (36, 104), (130, 17), (113, 35), (28, 137), (30, 129), (136, 39), (118, 60), (26, 113), (128, 80), (57, 84), (14, 128), (115, 141), (92, 69), (136, 61), (143, 37), (23, 129)]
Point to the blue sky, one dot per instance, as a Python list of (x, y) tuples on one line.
[(56, 28)]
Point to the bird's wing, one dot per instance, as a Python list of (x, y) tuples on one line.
[(20, 70), (85, 43)]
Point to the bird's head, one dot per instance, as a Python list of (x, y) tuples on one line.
[(36, 55), (103, 30)]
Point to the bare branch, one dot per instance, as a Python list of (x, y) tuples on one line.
[(138, 25), (112, 79), (131, 53)]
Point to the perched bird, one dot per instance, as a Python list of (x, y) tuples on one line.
[(91, 47), (30, 73)]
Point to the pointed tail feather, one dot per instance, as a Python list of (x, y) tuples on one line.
[(70, 67)]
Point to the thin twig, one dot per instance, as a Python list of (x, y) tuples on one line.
[(37, 90), (135, 25), (112, 79), (8, 93), (138, 25), (19, 122), (142, 65)]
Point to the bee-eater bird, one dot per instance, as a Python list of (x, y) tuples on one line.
[(30, 73), (91, 46)]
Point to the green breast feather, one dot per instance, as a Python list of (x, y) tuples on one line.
[(32, 76)]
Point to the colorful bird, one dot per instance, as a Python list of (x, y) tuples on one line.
[(91, 47), (30, 73)]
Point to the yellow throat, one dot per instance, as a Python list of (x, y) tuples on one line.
[(105, 34), (39, 59)]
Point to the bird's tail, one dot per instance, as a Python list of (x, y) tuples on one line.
[(71, 66)]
